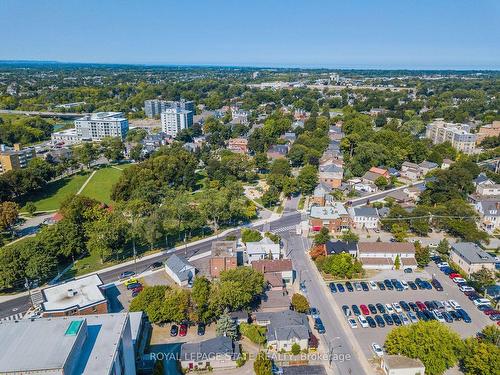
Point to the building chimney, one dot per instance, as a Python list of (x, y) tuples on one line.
[(71, 292)]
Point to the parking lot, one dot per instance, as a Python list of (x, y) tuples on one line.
[(367, 336)]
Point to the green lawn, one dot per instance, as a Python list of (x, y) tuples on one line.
[(99, 187), (50, 197)]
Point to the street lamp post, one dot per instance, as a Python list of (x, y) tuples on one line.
[(330, 349)]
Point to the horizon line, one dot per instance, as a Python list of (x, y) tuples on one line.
[(254, 66)]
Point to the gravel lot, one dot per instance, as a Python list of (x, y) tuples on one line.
[(366, 336)]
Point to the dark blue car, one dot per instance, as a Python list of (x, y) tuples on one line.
[(333, 288), (465, 317), (341, 288), (318, 324)]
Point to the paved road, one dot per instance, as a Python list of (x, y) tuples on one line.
[(380, 195), (340, 341), (22, 304)]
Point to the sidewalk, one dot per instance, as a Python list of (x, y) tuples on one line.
[(273, 217)]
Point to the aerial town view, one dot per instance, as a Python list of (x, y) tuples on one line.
[(263, 187)]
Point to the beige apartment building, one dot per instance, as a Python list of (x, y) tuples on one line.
[(458, 135), (15, 158)]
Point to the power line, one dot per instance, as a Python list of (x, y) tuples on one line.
[(430, 216)]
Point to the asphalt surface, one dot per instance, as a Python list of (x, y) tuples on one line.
[(338, 341), (380, 195), (22, 304)]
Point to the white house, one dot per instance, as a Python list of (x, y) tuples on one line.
[(284, 329), (364, 217), (264, 249), (179, 270), (489, 210), (488, 188)]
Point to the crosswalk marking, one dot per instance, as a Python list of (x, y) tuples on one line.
[(13, 317), (284, 229)]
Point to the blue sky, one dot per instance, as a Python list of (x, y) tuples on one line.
[(309, 33)]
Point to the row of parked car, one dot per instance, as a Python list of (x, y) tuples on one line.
[(182, 329), (387, 284), (481, 303), (404, 313)]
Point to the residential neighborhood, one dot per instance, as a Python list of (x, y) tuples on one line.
[(257, 197)]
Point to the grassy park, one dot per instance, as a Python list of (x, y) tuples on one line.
[(51, 196), (98, 187)]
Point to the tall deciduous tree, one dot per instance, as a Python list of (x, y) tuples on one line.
[(436, 345), (9, 212), (263, 365), (300, 303), (307, 179)]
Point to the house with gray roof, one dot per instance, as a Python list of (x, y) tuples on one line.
[(489, 210), (321, 194), (285, 328), (471, 258), (370, 177), (331, 174), (364, 217), (180, 270), (218, 353), (263, 249)]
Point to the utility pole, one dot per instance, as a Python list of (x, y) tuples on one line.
[(135, 255)]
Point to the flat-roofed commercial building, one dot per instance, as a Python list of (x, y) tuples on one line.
[(458, 135), (76, 297), (100, 125), (94, 345), (12, 158)]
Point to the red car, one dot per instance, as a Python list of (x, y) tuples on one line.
[(364, 309), (183, 329), (491, 311), (138, 289), (420, 305), (453, 275)]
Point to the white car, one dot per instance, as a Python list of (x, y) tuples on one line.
[(373, 285), (352, 323), (481, 301), (454, 304), (466, 288), (405, 284), (438, 316), (412, 316), (447, 305), (389, 308), (457, 280), (377, 349), (404, 319), (397, 307), (362, 321), (443, 264)]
